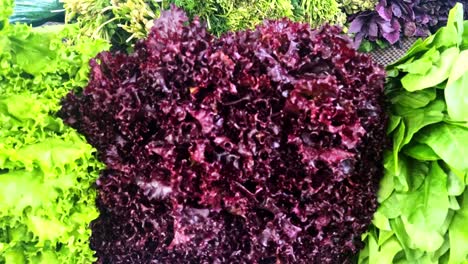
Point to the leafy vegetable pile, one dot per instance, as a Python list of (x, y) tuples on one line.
[(46, 168), (120, 21), (393, 19), (424, 206), (237, 15), (257, 147)]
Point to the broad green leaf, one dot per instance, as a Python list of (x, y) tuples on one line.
[(458, 234), (380, 221), (384, 235), (387, 184), (363, 257), (401, 176), (391, 207), (410, 174), (461, 67), (417, 172), (438, 73), (420, 152), (422, 117), (464, 44), (415, 99), (398, 137), (453, 203), (421, 65), (449, 142), (446, 37), (456, 92), (435, 256), (425, 210), (455, 18), (456, 95), (393, 122), (455, 184), (418, 47), (422, 238), (448, 220), (399, 228), (385, 253)]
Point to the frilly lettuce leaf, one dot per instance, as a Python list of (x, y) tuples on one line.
[(47, 170)]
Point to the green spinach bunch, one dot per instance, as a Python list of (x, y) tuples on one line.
[(423, 213)]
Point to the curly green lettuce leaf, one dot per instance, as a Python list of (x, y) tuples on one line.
[(46, 176), (47, 170)]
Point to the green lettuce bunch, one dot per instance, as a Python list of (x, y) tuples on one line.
[(423, 213), (47, 169)]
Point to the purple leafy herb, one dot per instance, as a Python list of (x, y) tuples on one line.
[(393, 19)]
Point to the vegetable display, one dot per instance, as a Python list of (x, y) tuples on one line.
[(234, 15), (423, 209), (124, 21), (46, 169), (261, 146)]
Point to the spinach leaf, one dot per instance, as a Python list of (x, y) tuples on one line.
[(425, 210), (456, 92), (420, 118), (420, 152), (449, 142), (438, 73), (458, 234), (415, 99)]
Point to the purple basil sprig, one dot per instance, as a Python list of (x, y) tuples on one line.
[(393, 19)]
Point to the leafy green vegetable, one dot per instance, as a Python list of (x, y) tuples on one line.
[(416, 99), (46, 169), (456, 92), (423, 194), (124, 21), (449, 142), (420, 152), (438, 72), (458, 234)]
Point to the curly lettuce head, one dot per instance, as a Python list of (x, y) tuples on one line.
[(46, 169)]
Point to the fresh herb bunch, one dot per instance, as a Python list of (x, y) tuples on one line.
[(119, 21), (47, 169), (394, 19), (244, 14), (423, 198), (124, 21), (351, 7), (438, 10)]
